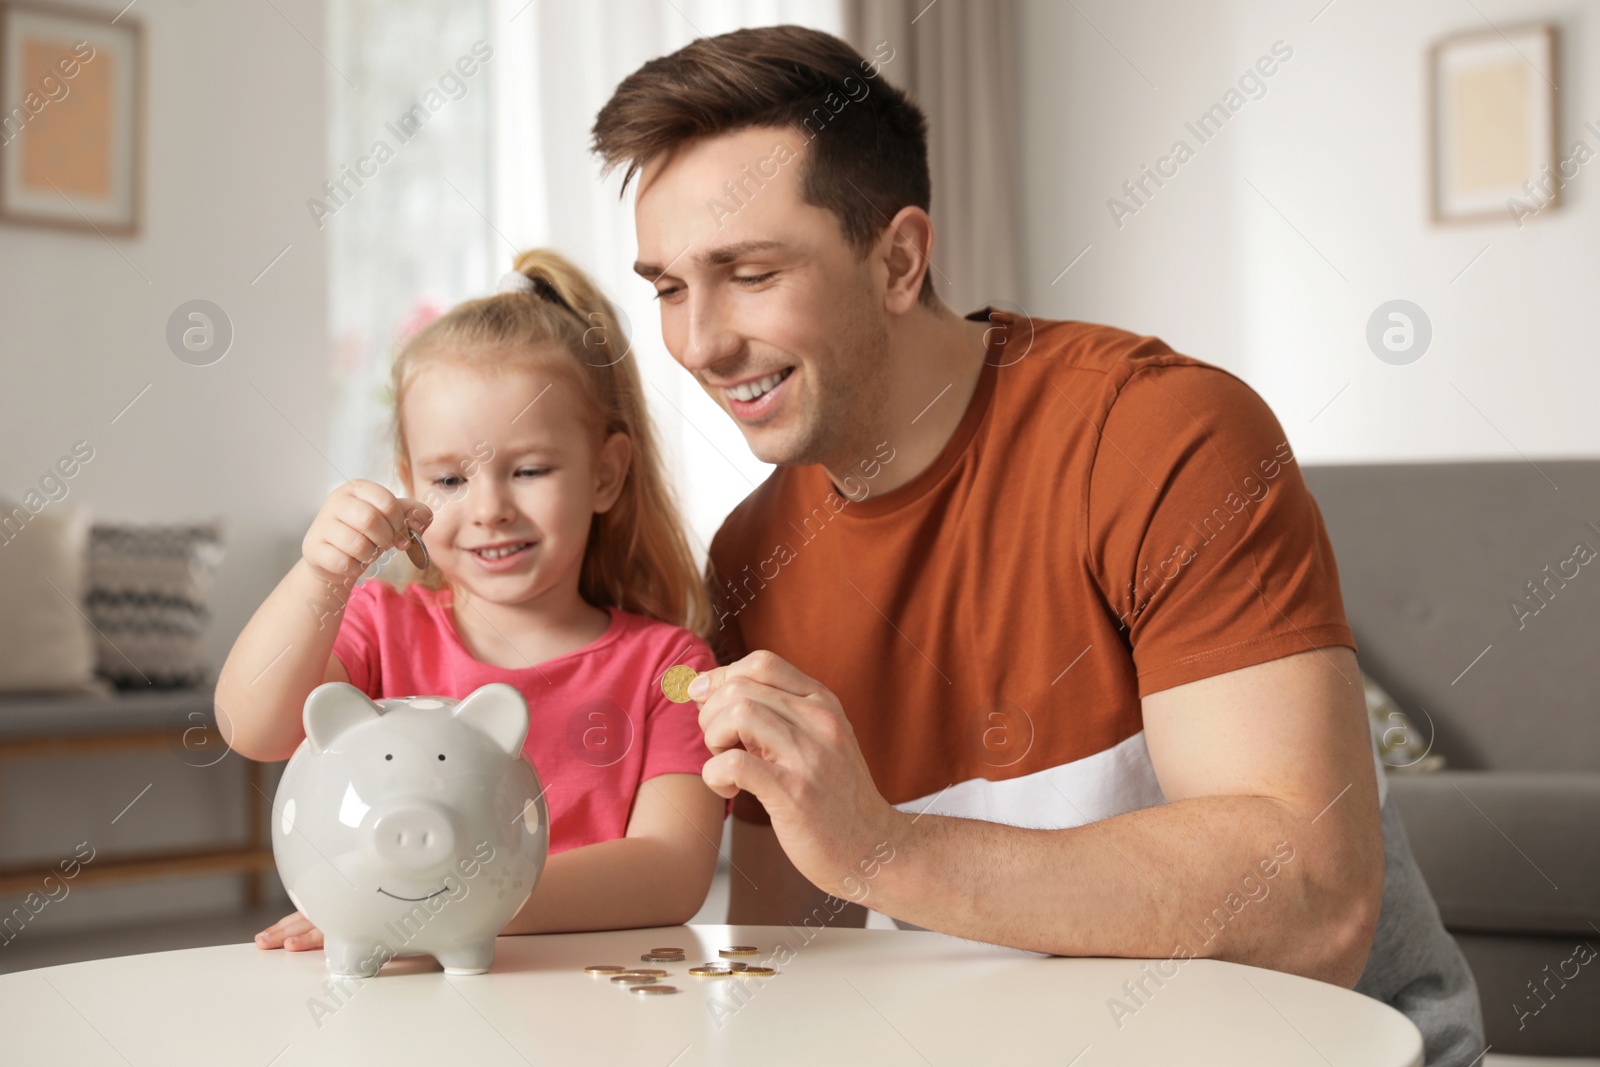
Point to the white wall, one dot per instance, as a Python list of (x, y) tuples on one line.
[(1336, 150), (235, 104)]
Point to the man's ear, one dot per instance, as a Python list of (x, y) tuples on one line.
[(332, 709), (611, 470), (906, 245)]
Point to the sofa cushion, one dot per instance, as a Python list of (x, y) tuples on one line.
[(45, 639), (1463, 585), (1540, 995), (1507, 851)]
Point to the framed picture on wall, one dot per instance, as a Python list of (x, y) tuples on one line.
[(71, 84), (1494, 123)]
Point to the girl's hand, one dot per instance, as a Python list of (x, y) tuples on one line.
[(356, 524), (293, 932)]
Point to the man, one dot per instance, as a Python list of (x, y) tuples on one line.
[(1035, 635)]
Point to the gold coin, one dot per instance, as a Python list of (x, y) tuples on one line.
[(632, 978), (675, 683), (759, 972), (711, 970), (417, 552), (739, 950), (604, 968), (666, 952), (653, 990)]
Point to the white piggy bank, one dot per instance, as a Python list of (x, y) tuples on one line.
[(410, 827)]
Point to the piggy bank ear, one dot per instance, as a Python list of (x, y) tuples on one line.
[(331, 709), (498, 710)]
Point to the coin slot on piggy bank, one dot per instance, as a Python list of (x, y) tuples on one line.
[(411, 827)]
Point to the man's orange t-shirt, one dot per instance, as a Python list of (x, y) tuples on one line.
[(1109, 519)]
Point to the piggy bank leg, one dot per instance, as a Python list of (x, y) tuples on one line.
[(467, 959), (354, 958)]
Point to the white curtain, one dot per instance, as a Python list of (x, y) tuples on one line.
[(957, 58), (408, 238)]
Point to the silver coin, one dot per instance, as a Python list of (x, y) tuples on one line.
[(416, 551)]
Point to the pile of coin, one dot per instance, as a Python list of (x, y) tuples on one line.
[(663, 955), (646, 980)]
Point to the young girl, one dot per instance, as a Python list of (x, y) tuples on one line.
[(556, 563)]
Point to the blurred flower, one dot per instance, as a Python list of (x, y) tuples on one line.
[(422, 313)]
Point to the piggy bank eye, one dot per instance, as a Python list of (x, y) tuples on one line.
[(389, 757), (441, 755)]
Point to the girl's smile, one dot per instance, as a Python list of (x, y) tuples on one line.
[(503, 555)]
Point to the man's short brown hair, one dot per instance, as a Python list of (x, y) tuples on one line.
[(867, 140)]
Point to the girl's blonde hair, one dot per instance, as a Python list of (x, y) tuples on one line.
[(637, 558)]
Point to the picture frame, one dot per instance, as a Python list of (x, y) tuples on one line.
[(1492, 111), (72, 124)]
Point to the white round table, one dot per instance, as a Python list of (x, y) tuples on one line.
[(877, 997)]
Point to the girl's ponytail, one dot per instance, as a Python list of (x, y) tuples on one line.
[(557, 280)]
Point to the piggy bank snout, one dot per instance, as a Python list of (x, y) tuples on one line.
[(412, 835)]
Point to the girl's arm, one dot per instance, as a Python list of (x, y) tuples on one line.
[(286, 650), (279, 657), (658, 875)]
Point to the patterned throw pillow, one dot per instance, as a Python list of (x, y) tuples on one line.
[(150, 599), (1401, 745)]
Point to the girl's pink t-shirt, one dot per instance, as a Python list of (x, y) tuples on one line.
[(600, 723)]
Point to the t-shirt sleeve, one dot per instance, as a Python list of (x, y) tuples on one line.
[(1201, 533), (673, 740), (357, 643)]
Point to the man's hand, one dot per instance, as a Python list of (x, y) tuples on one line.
[(784, 738)]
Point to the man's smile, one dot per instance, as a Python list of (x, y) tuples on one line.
[(753, 398)]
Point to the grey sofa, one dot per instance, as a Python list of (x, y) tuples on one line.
[(1432, 560)]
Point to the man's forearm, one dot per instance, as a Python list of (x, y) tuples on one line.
[(1246, 879)]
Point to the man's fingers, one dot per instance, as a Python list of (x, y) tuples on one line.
[(760, 666), (748, 723), (728, 772), (737, 690)]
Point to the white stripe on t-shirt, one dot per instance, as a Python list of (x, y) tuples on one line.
[(1117, 780)]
